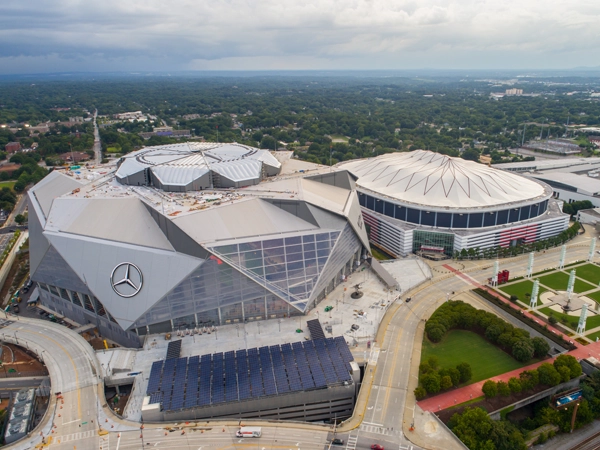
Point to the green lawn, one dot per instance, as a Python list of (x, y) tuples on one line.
[(520, 289), (9, 184), (458, 346), (589, 272), (594, 296), (592, 321), (593, 336), (559, 281)]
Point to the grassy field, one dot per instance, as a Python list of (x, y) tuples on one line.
[(559, 281), (592, 321), (593, 336), (589, 272), (520, 289), (9, 184), (379, 254), (594, 296), (458, 346)]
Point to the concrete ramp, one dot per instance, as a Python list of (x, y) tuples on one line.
[(383, 274)]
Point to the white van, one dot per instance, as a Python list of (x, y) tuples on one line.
[(249, 432)]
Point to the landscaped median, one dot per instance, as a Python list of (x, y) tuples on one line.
[(543, 329), (9, 247)]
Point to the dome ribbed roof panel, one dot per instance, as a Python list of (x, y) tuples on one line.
[(428, 178)]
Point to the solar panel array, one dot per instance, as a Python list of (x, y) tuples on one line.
[(174, 349), (315, 328), (180, 383)]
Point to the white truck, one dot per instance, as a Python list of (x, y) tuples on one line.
[(249, 432)]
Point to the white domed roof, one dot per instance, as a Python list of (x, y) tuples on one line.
[(437, 180)]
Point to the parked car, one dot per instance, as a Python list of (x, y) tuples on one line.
[(354, 327)]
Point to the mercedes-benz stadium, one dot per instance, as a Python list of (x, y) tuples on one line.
[(432, 203), (187, 235)]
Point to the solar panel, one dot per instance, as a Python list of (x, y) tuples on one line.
[(315, 329), (174, 349)]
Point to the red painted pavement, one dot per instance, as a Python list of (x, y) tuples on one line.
[(466, 393)]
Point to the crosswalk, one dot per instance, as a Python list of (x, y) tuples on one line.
[(76, 436), (406, 447), (352, 441), (374, 429)]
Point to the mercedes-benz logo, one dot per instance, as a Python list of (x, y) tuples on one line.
[(126, 279)]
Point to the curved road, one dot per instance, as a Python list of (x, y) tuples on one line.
[(384, 410)]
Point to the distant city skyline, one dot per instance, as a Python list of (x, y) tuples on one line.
[(41, 36)]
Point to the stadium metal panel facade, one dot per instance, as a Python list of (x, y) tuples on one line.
[(427, 202), (136, 259)]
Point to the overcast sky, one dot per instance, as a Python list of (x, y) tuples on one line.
[(150, 35)]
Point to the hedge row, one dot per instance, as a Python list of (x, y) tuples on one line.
[(542, 329), (565, 368), (458, 314)]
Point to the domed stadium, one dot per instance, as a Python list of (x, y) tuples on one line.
[(428, 203), (186, 235)]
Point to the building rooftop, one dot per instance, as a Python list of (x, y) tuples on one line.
[(432, 179), (582, 183)]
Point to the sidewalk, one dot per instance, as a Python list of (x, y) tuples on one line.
[(466, 393)]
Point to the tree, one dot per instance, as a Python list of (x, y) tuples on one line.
[(20, 219), (473, 427), (506, 436), (503, 389), (465, 372), (489, 389), (454, 375), (523, 350), (514, 385), (420, 393), (570, 362), (540, 347), (529, 379), (565, 373), (548, 375), (470, 155), (446, 382), (431, 382)]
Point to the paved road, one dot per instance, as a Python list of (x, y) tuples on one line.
[(7, 384), (19, 208), (97, 146)]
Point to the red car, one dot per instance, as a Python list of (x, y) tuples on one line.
[(377, 447)]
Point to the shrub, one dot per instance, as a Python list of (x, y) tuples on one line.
[(490, 389), (523, 350), (540, 347), (552, 320), (420, 393), (548, 375), (570, 362), (565, 373), (446, 383), (529, 379), (466, 372), (431, 382), (514, 385), (514, 298), (503, 388)]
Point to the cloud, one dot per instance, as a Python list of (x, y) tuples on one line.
[(360, 34)]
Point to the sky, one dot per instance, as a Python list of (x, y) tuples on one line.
[(46, 36)]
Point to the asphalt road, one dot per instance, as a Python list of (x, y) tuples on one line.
[(20, 382), (97, 146)]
